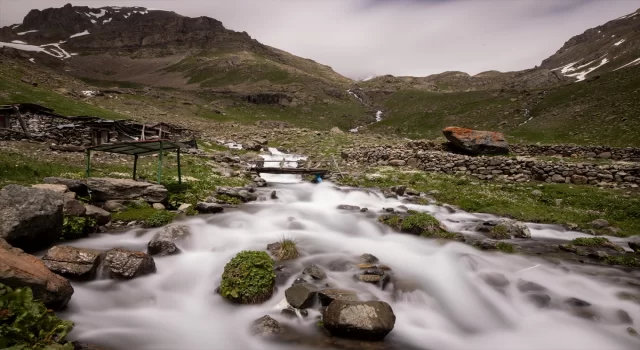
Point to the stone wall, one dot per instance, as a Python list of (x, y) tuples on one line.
[(631, 154), (58, 130), (513, 169)]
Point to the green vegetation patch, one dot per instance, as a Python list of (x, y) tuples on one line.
[(159, 218), (505, 247), (623, 260), (147, 215), (591, 241), (287, 250), (248, 278), (75, 227), (228, 199), (417, 223), (26, 323)]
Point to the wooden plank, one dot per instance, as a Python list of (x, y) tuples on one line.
[(289, 171)]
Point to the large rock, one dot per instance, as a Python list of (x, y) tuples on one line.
[(73, 263), (101, 216), (163, 243), (104, 189), (475, 141), (504, 229), (77, 186), (114, 205), (52, 187), (30, 218), (369, 320), (18, 269), (264, 326), (127, 264), (328, 295), (209, 208), (301, 296), (73, 207)]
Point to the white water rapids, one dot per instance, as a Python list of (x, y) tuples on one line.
[(440, 301)]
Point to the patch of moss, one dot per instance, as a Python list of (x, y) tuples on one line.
[(133, 214), (500, 231), (287, 251), (191, 211), (624, 260), (505, 247), (248, 278), (421, 224), (74, 227), (591, 241), (26, 323), (228, 199), (159, 218), (440, 234), (392, 220)]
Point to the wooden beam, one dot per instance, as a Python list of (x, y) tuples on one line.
[(21, 121)]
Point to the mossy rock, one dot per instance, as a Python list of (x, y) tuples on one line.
[(417, 223), (500, 231), (596, 242), (249, 278), (28, 324)]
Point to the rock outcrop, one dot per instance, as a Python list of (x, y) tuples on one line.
[(73, 263), (104, 189), (30, 218), (369, 320), (101, 216), (77, 186), (475, 141), (18, 269)]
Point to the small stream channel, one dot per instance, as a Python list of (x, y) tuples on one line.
[(439, 293)]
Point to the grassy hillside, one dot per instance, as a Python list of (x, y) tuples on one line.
[(598, 111)]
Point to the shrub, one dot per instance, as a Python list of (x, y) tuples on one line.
[(74, 227), (248, 278), (27, 324), (159, 218)]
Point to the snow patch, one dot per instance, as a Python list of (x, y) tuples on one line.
[(50, 49), (580, 76), (86, 32), (32, 60), (378, 116), (22, 47), (28, 31), (16, 26), (18, 42), (89, 93), (62, 54), (107, 21), (98, 15), (619, 42), (93, 21), (564, 69), (634, 62)]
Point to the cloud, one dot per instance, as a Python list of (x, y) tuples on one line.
[(400, 37)]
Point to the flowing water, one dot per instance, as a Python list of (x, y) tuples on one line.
[(440, 299)]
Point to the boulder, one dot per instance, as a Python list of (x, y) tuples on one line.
[(114, 205), (252, 146), (368, 258), (158, 206), (72, 263), (475, 141), (52, 187), (240, 193), (336, 130), (209, 208), (184, 207), (30, 218), (77, 186), (248, 278), (599, 223), (104, 189), (101, 216), (315, 272), (369, 320), (127, 264), (73, 207), (301, 296), (328, 295), (265, 325), (18, 269), (163, 243), (504, 229)]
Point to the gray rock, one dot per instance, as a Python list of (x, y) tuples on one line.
[(301, 296), (497, 280), (159, 206), (369, 320), (527, 286), (328, 295), (348, 207), (127, 264), (540, 300), (315, 272), (30, 218), (274, 195), (52, 187), (73, 263), (101, 216), (73, 207), (265, 326), (599, 223), (368, 259), (104, 189), (18, 270), (163, 243), (114, 205), (209, 208), (575, 302), (635, 246), (504, 229), (77, 186)]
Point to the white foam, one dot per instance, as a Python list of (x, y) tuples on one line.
[(86, 32), (28, 31)]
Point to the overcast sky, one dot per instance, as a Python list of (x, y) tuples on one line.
[(400, 37)]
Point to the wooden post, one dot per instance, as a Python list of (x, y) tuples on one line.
[(23, 125), (179, 170), (135, 165), (160, 163), (87, 159)]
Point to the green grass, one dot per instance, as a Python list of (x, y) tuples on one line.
[(147, 215), (623, 260), (16, 168), (591, 241), (15, 91), (505, 247), (112, 83), (288, 250), (580, 204)]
